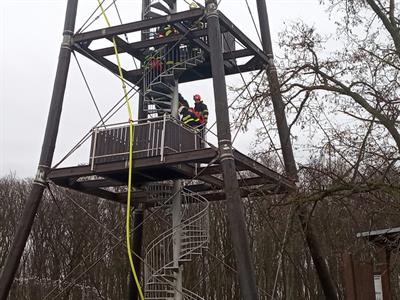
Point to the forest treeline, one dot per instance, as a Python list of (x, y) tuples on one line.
[(76, 249)]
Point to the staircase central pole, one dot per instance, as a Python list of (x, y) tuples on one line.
[(46, 157), (237, 223), (177, 213), (177, 238), (177, 200)]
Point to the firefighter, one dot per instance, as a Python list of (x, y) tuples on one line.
[(189, 116), (171, 51), (165, 31), (201, 108)]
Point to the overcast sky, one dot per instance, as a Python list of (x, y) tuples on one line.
[(30, 37)]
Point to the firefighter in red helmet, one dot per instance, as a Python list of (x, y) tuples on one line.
[(201, 108), (189, 116)]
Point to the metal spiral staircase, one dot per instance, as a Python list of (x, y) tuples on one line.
[(162, 68), (161, 267), (165, 64)]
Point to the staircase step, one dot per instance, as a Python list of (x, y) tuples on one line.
[(170, 3), (179, 72), (156, 111), (152, 14), (168, 78), (165, 282), (193, 226), (161, 87), (199, 230), (180, 66), (191, 63), (165, 276), (176, 269), (192, 244), (157, 296), (160, 6), (156, 94), (161, 105), (194, 235)]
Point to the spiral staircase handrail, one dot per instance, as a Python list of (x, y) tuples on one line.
[(159, 266), (171, 230)]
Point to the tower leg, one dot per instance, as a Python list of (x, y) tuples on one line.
[(279, 107), (46, 157), (287, 152), (233, 199)]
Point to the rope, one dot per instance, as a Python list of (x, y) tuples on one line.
[(128, 204)]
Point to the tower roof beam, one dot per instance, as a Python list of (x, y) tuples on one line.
[(137, 26)]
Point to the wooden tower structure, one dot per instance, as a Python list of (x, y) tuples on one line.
[(165, 149)]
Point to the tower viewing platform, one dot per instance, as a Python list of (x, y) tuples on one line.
[(163, 149)]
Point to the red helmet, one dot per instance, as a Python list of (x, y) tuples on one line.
[(197, 97)]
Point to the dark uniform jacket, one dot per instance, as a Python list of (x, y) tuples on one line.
[(203, 109), (189, 117)]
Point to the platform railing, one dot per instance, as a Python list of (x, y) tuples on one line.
[(151, 137)]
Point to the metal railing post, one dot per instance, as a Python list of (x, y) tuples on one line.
[(96, 131), (163, 137)]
